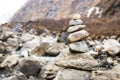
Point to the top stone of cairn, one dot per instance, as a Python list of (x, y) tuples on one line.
[(76, 17)]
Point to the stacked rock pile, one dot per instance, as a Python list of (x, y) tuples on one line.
[(76, 34)]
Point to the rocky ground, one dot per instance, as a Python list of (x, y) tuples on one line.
[(71, 55)]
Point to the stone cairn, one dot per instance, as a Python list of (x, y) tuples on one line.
[(76, 34)]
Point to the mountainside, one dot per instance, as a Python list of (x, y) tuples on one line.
[(110, 7), (52, 9)]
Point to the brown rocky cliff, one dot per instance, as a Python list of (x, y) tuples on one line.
[(110, 7), (52, 9)]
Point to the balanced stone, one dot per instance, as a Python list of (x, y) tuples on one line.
[(75, 22), (78, 35), (75, 28)]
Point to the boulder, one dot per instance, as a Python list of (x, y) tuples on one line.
[(41, 49), (79, 46), (76, 60), (9, 61), (112, 46), (75, 22), (75, 28), (72, 74), (76, 36), (113, 74), (55, 48), (29, 66), (50, 70)]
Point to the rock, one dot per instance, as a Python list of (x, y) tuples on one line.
[(10, 49), (16, 77), (2, 47), (31, 45), (48, 38), (40, 50), (76, 36), (27, 37), (34, 78), (12, 42), (75, 28), (29, 66), (112, 47), (2, 58), (113, 37), (50, 70), (92, 53), (110, 60), (91, 43), (113, 74), (72, 74), (9, 34), (63, 37), (55, 48), (10, 61), (78, 61), (99, 48), (79, 46), (11, 78), (75, 22)]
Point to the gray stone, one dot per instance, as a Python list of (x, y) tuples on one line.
[(79, 46), (75, 28), (72, 74), (76, 36)]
